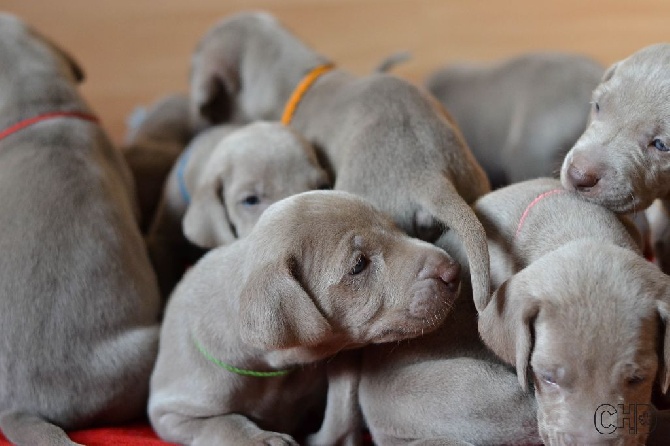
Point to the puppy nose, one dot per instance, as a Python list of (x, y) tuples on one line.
[(582, 179), (437, 288), (450, 275)]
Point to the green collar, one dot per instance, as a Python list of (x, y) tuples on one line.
[(239, 371)]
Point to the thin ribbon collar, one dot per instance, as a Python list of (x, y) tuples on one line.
[(181, 171), (44, 117), (237, 370), (301, 89), (532, 204)]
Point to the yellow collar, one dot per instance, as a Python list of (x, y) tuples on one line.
[(301, 89)]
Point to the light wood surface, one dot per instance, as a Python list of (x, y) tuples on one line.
[(134, 51)]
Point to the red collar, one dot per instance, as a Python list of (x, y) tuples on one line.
[(44, 117)]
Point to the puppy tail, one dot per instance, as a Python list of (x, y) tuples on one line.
[(22, 428), (444, 203)]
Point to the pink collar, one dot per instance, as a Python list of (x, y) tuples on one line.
[(533, 203), (44, 117)]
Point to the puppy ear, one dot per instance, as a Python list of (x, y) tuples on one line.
[(610, 72), (206, 222), (505, 325), (213, 92), (76, 69), (664, 374), (277, 312)]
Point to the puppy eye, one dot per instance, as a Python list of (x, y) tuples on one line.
[(251, 200), (660, 145), (361, 264), (548, 379), (596, 107)]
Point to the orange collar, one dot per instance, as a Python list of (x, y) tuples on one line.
[(301, 89)]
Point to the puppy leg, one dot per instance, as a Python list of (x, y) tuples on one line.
[(24, 429), (223, 430), (342, 420), (466, 399)]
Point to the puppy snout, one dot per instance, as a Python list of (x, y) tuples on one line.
[(437, 289), (582, 179)]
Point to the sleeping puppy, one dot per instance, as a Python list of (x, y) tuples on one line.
[(219, 187), (152, 148), (247, 328), (382, 137), (79, 302), (509, 110), (576, 309), (586, 323)]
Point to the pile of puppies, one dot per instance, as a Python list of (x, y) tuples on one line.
[(397, 301)]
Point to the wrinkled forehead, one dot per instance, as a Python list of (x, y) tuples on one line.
[(597, 337), (325, 215)]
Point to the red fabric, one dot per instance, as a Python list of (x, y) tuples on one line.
[(131, 435)]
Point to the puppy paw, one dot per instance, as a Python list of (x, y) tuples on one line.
[(274, 439)]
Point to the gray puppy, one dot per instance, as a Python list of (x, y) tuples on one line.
[(219, 187), (383, 138), (576, 308), (521, 115), (622, 160), (79, 302), (152, 148), (247, 327)]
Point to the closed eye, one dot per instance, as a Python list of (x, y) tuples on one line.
[(634, 380)]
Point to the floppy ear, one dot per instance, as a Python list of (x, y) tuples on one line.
[(277, 312), (505, 325), (206, 222), (664, 374), (213, 91)]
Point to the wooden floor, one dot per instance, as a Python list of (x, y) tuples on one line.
[(134, 51)]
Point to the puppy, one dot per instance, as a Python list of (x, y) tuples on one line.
[(79, 302), (219, 187), (576, 308), (383, 138), (621, 161), (153, 147), (586, 322), (509, 110), (320, 272)]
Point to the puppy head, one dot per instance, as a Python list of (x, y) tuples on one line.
[(332, 272), (27, 51), (586, 329), (245, 49), (622, 160), (249, 170)]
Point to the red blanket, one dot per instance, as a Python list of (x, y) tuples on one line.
[(132, 435)]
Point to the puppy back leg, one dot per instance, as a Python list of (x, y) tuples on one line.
[(24, 429)]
